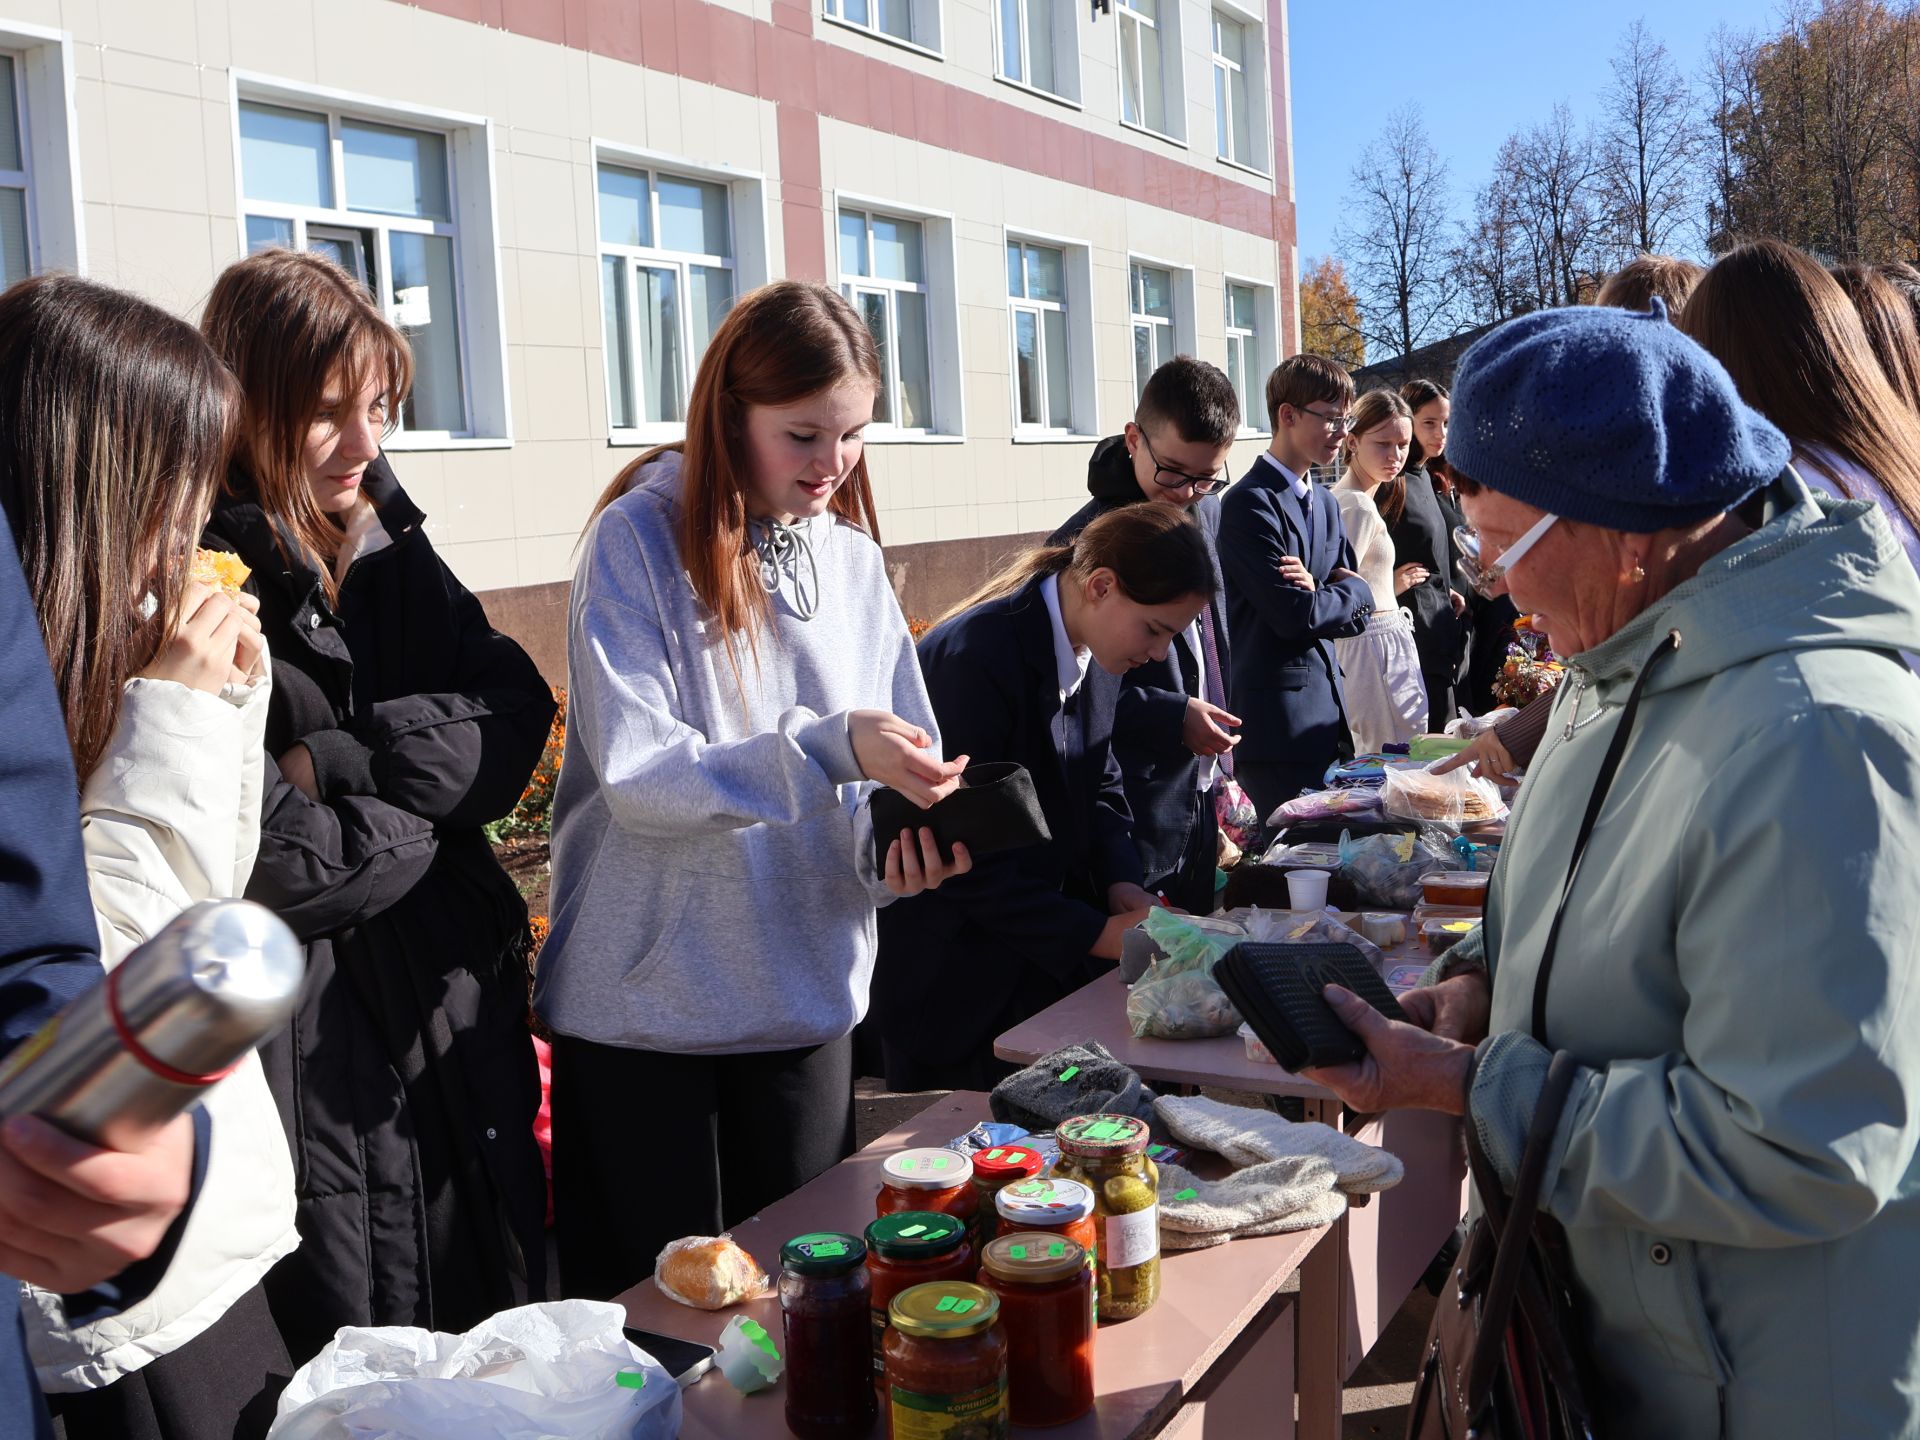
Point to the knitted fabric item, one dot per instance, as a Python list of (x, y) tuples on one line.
[(1074, 1080), (1252, 1137), (1295, 1193), (1608, 416)]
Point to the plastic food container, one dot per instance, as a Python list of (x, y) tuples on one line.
[(1456, 887), (1440, 936), (1256, 1052)]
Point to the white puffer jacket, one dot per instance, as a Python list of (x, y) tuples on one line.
[(171, 817)]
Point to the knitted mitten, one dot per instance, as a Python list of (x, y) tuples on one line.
[(1248, 1137), (1295, 1193), (1074, 1080)]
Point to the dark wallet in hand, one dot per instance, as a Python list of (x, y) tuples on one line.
[(995, 808), (1276, 989)]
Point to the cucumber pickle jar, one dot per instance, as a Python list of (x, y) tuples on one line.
[(1107, 1154)]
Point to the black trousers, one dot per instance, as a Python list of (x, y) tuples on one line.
[(649, 1147), (1189, 886)]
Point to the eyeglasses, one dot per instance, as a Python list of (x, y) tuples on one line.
[(1337, 424), (1202, 484), (1485, 576)]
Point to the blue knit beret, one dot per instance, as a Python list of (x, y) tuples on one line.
[(1608, 416)]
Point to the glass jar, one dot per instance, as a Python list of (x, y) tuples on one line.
[(904, 1250), (826, 1312), (1044, 1289), (993, 1170), (927, 1179), (946, 1364), (1061, 1208), (1107, 1154)]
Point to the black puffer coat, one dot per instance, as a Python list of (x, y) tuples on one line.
[(407, 1083)]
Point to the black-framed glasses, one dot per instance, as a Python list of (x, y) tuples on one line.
[(1337, 424), (1202, 484)]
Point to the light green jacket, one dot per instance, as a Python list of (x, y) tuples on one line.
[(1737, 976)]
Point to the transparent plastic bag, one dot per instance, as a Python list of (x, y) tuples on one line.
[(1454, 799), (1385, 870), (1176, 998), (1279, 927), (1353, 802)]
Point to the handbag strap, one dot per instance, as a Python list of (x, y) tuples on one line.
[(1603, 782)]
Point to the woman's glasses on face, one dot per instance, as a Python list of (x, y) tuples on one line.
[(1485, 572)]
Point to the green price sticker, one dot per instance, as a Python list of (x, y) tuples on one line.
[(940, 1162), (631, 1379), (1056, 1250), (1068, 1073), (1018, 1252), (1105, 1130), (1186, 1194), (995, 1154), (827, 1251), (913, 1230), (954, 1305)]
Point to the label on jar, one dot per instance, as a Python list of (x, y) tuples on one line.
[(971, 1415), (1129, 1240)]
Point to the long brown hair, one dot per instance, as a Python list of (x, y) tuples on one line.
[(1419, 393), (1798, 353), (1373, 409), (1156, 553), (116, 422), (1889, 323), (778, 345), (289, 323)]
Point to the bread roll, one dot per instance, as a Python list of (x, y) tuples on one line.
[(708, 1272)]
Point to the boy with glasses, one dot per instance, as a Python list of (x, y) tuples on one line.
[(1292, 589), (1172, 730)]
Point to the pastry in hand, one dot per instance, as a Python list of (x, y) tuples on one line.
[(222, 569)]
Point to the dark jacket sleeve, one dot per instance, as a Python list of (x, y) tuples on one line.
[(1253, 541), (458, 758), (1116, 859), (1150, 719)]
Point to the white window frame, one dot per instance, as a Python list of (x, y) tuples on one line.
[(1173, 85), (1066, 51), (1082, 374), (945, 392), (479, 296), (925, 20), (1257, 347), (747, 230), (1181, 327), (44, 90), (1253, 69)]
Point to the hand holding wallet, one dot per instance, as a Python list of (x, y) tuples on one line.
[(994, 809), (1277, 990)]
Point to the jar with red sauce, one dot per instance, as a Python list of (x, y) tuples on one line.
[(928, 1179), (826, 1312), (946, 1364), (908, 1249), (994, 1169), (1044, 1288), (1062, 1208)]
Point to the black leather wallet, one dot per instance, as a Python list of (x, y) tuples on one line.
[(1276, 989), (995, 808)]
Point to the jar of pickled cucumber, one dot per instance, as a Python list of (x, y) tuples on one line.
[(1107, 1153)]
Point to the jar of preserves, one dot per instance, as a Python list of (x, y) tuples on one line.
[(946, 1365), (1061, 1208), (993, 1170), (1044, 1289), (1107, 1153), (927, 1179), (826, 1310), (904, 1250)]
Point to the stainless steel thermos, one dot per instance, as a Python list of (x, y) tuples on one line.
[(171, 1019)]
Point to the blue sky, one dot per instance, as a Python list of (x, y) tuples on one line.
[(1478, 68)]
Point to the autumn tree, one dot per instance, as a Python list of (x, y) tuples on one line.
[(1329, 314), (1394, 235)]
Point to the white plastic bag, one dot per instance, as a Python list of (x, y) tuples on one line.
[(528, 1374)]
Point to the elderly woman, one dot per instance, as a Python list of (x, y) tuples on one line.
[(1736, 960)]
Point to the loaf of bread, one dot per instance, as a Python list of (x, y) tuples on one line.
[(708, 1272)]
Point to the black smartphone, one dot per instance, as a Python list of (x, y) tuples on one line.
[(685, 1360)]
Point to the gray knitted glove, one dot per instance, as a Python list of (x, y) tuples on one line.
[(1249, 1137), (1074, 1080), (1298, 1192)]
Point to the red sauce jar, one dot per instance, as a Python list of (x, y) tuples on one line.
[(1061, 1208), (826, 1313), (1044, 1287), (994, 1169), (927, 1179), (946, 1364), (905, 1250)]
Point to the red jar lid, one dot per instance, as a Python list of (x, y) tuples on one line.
[(1007, 1163)]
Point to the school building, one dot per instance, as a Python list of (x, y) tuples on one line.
[(1032, 203)]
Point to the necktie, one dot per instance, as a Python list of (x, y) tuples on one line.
[(1214, 682)]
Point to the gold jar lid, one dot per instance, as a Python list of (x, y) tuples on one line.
[(944, 1310)]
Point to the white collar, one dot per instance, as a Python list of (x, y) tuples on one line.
[(1069, 663), (365, 535), (1298, 483)]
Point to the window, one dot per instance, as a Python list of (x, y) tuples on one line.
[(16, 181), (1042, 351), (378, 198), (1244, 355), (1232, 124), (883, 271), (1149, 66), (1038, 45), (1153, 337), (666, 282), (912, 22)]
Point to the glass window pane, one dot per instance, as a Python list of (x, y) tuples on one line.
[(264, 232), (1148, 8), (711, 298), (346, 248), (1163, 345), (391, 171), (853, 244), (1040, 43), (873, 310), (284, 156), (1229, 39), (15, 262), (425, 307), (1010, 40), (856, 11), (1236, 373), (1046, 273), (896, 250), (1221, 144), (1026, 366), (619, 340), (1156, 292), (916, 389), (1240, 311), (1242, 130), (1142, 356), (1130, 98), (1059, 387), (1153, 100), (626, 217), (693, 216), (1016, 286), (896, 17), (660, 384), (10, 158)]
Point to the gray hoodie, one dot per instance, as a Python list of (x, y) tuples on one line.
[(713, 883)]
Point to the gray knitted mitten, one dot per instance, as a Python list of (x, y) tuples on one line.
[(1249, 1137), (1074, 1080), (1298, 1192)]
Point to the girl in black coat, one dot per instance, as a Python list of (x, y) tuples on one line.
[(401, 722), (1422, 528)]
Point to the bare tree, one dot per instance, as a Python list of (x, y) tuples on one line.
[(1491, 262), (1648, 148), (1548, 179), (1393, 237)]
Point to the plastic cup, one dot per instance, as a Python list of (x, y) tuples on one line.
[(1307, 889)]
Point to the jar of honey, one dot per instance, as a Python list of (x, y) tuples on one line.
[(908, 1249), (994, 1169), (928, 1179), (1044, 1288), (946, 1364)]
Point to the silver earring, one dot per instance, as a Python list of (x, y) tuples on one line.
[(1639, 573)]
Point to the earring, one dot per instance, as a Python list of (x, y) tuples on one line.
[(1639, 572)]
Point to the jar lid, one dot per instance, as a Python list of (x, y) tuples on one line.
[(927, 1169), (1099, 1136), (823, 1252), (1026, 1258), (1008, 1162), (944, 1310), (915, 1235), (1045, 1202)]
